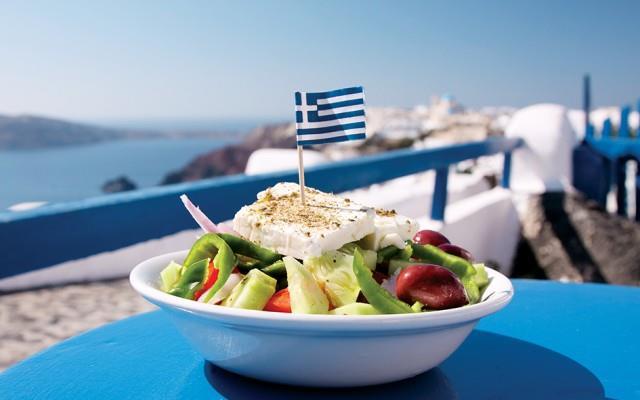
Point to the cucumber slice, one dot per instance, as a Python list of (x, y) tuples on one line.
[(253, 291), (306, 295), (417, 306), (355, 309), (170, 275), (481, 278)]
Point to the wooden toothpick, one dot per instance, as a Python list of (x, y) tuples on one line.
[(301, 175)]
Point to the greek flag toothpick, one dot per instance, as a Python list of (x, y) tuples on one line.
[(328, 117)]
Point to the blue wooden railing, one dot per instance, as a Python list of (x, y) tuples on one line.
[(617, 147), (61, 232)]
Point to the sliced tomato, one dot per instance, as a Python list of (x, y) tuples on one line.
[(212, 277), (279, 302)]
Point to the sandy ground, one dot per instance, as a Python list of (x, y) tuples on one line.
[(33, 320)]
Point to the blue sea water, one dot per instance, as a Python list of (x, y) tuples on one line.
[(78, 172)]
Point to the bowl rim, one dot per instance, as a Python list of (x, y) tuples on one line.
[(144, 276)]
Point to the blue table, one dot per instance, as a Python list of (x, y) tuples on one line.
[(554, 341)]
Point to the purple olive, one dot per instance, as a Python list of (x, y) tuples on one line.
[(456, 251), (434, 286), (430, 237)]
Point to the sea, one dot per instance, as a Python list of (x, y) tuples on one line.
[(60, 174)]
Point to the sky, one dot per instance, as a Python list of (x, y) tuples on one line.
[(244, 59)]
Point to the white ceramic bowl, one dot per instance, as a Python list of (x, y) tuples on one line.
[(319, 350)]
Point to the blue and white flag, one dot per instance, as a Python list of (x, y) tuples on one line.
[(329, 117)]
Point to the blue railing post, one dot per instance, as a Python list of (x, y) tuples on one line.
[(590, 131), (624, 130), (506, 170), (439, 201), (607, 128)]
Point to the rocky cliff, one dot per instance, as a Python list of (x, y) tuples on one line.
[(34, 132), (233, 159), (30, 132)]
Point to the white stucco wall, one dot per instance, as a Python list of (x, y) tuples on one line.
[(272, 160), (545, 163), (412, 195)]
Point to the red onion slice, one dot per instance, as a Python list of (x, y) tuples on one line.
[(202, 220)]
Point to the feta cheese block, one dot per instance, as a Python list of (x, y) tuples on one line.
[(279, 221), (391, 229)]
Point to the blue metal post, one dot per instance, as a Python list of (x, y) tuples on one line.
[(607, 128), (506, 170), (586, 104), (439, 201), (624, 130), (589, 132)]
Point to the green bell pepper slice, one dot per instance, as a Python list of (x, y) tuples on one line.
[(386, 253), (195, 273), (275, 270), (250, 249), (375, 294), (433, 255), (212, 246), (246, 264)]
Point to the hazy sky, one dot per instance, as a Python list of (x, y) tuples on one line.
[(206, 59)]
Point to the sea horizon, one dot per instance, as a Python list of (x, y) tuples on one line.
[(174, 124)]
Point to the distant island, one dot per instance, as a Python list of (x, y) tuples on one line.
[(23, 132)]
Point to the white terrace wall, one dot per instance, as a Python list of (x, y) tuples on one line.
[(545, 162)]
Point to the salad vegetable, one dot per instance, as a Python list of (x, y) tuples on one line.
[(211, 246), (431, 285), (190, 280), (279, 302), (355, 309), (425, 274), (170, 275), (306, 295), (277, 269), (250, 249), (377, 296), (253, 292)]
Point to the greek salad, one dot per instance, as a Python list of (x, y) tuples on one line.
[(330, 255)]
